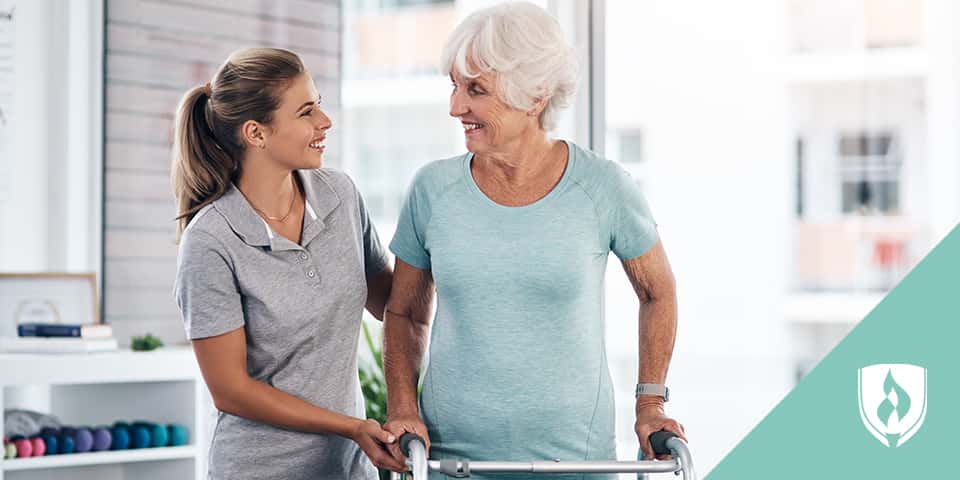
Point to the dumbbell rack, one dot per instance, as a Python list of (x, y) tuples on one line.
[(163, 386)]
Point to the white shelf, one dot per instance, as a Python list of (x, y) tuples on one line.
[(165, 364), (97, 458), (84, 389)]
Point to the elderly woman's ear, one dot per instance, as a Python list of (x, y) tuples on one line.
[(539, 107)]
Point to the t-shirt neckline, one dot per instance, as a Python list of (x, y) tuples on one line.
[(571, 159)]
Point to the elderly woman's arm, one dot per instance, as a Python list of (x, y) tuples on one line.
[(654, 284), (406, 323)]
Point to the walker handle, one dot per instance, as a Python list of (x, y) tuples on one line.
[(405, 440), (658, 440)]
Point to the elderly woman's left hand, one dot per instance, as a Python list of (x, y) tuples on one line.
[(651, 418)]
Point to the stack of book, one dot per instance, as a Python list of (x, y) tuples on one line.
[(59, 338)]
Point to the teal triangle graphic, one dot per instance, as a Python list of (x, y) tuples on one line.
[(817, 431)]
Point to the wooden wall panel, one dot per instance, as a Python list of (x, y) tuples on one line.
[(6, 96), (156, 50)]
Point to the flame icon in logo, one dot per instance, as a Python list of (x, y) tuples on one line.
[(888, 411)]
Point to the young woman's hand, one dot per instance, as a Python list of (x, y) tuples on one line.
[(400, 424), (373, 440)]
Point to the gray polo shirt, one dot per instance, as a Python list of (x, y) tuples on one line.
[(300, 307)]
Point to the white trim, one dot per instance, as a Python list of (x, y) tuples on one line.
[(269, 230), (598, 76), (84, 162), (313, 214)]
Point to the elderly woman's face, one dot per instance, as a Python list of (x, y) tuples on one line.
[(487, 121)]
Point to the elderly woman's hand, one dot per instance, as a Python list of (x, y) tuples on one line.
[(651, 418), (405, 423)]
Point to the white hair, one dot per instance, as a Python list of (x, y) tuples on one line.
[(525, 47)]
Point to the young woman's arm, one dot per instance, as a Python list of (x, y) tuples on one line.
[(378, 292), (223, 363)]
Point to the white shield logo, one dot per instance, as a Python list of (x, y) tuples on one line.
[(893, 401)]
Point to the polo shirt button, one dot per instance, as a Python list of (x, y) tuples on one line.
[(311, 274), (303, 255)]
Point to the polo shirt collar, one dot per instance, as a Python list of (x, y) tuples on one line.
[(321, 200)]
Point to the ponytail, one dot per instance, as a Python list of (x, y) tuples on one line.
[(202, 170)]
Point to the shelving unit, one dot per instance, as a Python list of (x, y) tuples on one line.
[(100, 388)]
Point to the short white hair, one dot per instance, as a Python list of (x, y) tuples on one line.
[(524, 45)]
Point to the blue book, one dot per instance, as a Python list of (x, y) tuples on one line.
[(63, 330)]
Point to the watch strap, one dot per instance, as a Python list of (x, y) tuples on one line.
[(653, 389)]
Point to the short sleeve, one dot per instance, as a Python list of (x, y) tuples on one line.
[(374, 255), (409, 240), (633, 230), (205, 288)]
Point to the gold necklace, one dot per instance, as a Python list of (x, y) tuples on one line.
[(289, 210)]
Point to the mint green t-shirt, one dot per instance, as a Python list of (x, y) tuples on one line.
[(518, 369)]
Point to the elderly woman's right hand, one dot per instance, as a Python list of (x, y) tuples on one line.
[(400, 424)]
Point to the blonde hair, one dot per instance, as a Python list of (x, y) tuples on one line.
[(207, 147), (524, 45)]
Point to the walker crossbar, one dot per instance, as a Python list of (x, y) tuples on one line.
[(663, 442)]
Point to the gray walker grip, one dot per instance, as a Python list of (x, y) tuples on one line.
[(658, 441), (405, 440)]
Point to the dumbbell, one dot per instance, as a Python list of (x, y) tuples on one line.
[(102, 439), (23, 444), (159, 437), (67, 442), (179, 435), (9, 448), (50, 440), (80, 440)]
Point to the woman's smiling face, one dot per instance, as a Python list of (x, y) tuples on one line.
[(298, 128), (488, 122)]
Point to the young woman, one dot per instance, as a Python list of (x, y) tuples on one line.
[(278, 258)]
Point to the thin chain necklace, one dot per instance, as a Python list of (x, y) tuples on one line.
[(293, 199)]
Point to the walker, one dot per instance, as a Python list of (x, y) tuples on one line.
[(663, 442)]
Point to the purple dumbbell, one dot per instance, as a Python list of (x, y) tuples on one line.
[(101, 439)]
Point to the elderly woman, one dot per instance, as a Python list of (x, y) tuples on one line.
[(514, 236)]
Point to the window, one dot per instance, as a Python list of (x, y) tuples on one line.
[(837, 25), (869, 173)]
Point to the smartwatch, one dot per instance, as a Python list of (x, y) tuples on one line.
[(653, 389)]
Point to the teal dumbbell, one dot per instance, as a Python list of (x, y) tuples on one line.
[(179, 435)]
